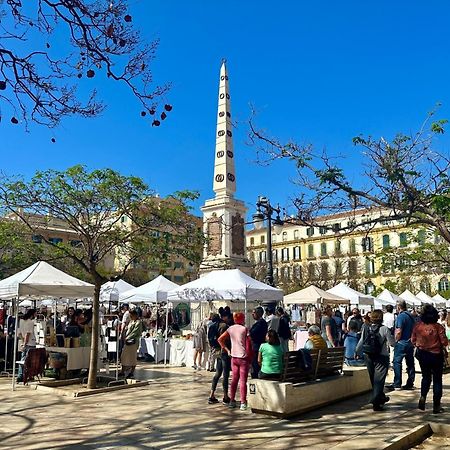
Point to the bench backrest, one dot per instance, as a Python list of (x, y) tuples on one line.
[(293, 373), (331, 362), (325, 363)]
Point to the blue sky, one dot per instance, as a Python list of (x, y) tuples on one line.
[(319, 72)]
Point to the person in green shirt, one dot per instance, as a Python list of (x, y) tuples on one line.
[(270, 357)]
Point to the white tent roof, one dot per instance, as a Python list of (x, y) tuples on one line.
[(410, 298), (439, 300), (314, 295), (355, 297), (42, 279), (111, 290), (388, 298), (230, 284), (424, 298), (152, 292)]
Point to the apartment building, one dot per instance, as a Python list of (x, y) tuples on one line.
[(341, 248)]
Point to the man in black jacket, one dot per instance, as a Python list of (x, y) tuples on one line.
[(258, 336)]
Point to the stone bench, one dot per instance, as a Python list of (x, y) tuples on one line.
[(301, 391)]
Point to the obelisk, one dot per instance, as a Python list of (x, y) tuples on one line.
[(224, 216)]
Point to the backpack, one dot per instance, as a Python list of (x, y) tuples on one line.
[(372, 344), (213, 335), (304, 360)]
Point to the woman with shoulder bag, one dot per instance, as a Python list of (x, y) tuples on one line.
[(431, 343), (133, 333)]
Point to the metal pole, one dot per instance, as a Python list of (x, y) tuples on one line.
[(15, 346), (269, 276), (165, 339)]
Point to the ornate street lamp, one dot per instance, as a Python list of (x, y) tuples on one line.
[(264, 212)]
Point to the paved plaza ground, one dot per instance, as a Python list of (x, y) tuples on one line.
[(172, 413)]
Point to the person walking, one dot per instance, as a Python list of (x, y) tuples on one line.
[(133, 333), (240, 358), (258, 333), (199, 343), (280, 324), (429, 338), (223, 360), (403, 347), (374, 343)]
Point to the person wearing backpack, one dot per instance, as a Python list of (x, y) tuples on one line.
[(374, 343), (404, 348)]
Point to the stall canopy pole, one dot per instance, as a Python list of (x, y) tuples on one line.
[(15, 345), (165, 338)]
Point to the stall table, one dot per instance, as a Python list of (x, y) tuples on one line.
[(181, 352), (153, 347), (77, 358)]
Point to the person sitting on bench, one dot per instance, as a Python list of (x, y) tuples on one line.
[(270, 357), (315, 340)]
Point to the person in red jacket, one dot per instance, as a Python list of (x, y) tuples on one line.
[(430, 341)]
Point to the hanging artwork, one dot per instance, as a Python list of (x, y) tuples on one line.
[(214, 231), (237, 226)]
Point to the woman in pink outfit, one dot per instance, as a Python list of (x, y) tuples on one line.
[(240, 363)]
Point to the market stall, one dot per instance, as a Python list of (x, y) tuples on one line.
[(410, 298), (364, 301), (37, 281)]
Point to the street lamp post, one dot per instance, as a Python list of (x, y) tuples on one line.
[(264, 211)]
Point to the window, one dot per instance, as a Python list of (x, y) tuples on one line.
[(275, 255), (275, 273), (443, 284), (178, 265), (322, 230), (338, 268), (351, 223), (297, 253), (369, 288), (252, 241), (263, 239), (311, 270), (367, 244), (284, 236), (353, 268), (310, 251), (55, 240), (310, 231), (336, 227), (337, 247), (36, 238), (370, 266), (297, 269), (386, 241), (75, 243), (323, 249), (425, 286), (178, 279), (262, 257), (251, 255), (324, 272), (123, 219), (274, 237), (296, 234), (284, 254), (403, 239), (286, 273), (352, 246), (421, 237)]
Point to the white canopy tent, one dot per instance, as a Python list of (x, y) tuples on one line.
[(410, 298), (41, 280), (312, 295), (227, 284), (154, 291), (355, 297), (110, 291), (387, 298), (441, 300), (425, 298)]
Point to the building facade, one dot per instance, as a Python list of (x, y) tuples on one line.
[(340, 248)]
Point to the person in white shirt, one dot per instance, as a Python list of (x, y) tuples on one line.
[(27, 338), (388, 317)]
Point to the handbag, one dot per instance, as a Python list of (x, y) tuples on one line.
[(131, 341)]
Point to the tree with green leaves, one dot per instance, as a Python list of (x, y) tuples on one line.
[(113, 216)]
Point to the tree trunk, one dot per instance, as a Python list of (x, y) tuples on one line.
[(92, 379)]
